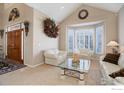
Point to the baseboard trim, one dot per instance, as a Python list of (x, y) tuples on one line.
[(32, 66)]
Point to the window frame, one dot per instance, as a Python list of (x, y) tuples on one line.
[(94, 36)]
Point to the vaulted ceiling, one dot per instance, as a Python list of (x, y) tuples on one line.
[(113, 7), (59, 11)]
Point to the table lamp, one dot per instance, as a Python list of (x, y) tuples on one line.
[(113, 45)]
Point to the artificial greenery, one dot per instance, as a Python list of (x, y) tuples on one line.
[(50, 28)]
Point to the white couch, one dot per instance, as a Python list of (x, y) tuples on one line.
[(108, 68), (54, 56)]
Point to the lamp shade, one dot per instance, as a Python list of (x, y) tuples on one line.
[(112, 44)]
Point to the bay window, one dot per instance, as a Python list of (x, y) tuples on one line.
[(90, 37)]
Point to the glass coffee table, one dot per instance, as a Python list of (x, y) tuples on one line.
[(76, 70)]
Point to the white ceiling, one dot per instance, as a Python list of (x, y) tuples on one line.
[(114, 7), (59, 11)]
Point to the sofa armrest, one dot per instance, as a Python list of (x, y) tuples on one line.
[(63, 52), (120, 79)]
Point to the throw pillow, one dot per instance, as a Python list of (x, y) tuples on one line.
[(119, 73), (112, 58), (121, 60)]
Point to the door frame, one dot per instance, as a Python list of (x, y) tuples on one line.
[(15, 27)]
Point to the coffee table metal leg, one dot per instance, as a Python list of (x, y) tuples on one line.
[(81, 76), (62, 74), (81, 81)]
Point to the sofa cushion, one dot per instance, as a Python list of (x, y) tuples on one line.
[(48, 55), (119, 73), (121, 60), (110, 68), (112, 58), (50, 52), (56, 51)]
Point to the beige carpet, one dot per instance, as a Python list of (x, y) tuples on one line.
[(48, 75), (94, 76)]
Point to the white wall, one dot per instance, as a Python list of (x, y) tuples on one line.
[(41, 42), (26, 13), (36, 41), (95, 14), (1, 15), (121, 26), (1, 21)]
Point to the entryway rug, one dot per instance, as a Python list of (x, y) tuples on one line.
[(9, 66)]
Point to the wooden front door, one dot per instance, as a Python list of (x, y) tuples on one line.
[(14, 45)]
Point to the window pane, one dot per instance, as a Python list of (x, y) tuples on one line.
[(91, 42), (77, 40), (70, 40), (81, 40), (89, 38), (86, 38), (99, 39), (86, 41)]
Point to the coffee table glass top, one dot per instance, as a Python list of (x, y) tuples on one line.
[(82, 66)]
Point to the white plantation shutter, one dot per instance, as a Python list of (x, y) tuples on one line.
[(91, 38)]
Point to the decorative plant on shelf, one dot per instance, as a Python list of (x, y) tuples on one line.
[(50, 28)]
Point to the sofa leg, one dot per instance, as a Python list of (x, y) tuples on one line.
[(62, 72)]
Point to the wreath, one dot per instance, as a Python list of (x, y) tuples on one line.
[(50, 28)]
